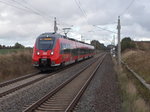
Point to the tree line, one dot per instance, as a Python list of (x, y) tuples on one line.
[(16, 46), (95, 43), (98, 45)]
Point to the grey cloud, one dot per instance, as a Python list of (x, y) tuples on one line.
[(25, 26)]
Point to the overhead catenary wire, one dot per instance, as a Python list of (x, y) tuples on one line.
[(131, 3), (104, 29), (82, 11), (85, 15), (105, 40), (33, 10), (20, 8), (37, 10), (27, 8)]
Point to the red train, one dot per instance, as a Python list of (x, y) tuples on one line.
[(52, 49)]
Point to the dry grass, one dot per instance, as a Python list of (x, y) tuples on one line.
[(141, 45), (131, 99), (128, 53), (131, 89), (139, 61), (15, 64), (141, 106)]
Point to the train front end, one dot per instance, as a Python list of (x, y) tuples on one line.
[(46, 52)]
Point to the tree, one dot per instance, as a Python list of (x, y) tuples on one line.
[(127, 43), (17, 45), (98, 45), (3, 46), (0, 46)]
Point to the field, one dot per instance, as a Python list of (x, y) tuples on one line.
[(143, 45), (15, 63), (134, 97), (7, 51), (139, 61)]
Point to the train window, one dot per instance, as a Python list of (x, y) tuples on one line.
[(61, 46), (45, 44)]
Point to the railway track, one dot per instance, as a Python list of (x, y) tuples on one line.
[(3, 84), (65, 96), (21, 82)]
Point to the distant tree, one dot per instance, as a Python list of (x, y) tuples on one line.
[(9, 47), (3, 46), (127, 43), (98, 45), (17, 45), (6, 47), (110, 46)]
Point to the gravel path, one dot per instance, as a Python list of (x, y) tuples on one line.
[(102, 95), (16, 101)]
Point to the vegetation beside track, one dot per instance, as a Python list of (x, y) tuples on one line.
[(136, 55), (139, 61), (15, 63), (133, 94), (8, 51)]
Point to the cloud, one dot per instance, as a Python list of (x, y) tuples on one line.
[(33, 17)]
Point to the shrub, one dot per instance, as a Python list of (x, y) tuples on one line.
[(127, 43)]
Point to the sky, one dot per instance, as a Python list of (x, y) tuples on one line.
[(24, 20)]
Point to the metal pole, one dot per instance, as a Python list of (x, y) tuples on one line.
[(114, 40), (119, 44), (55, 25)]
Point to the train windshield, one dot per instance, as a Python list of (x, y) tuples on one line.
[(45, 43)]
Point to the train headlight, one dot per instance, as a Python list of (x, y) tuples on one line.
[(38, 53), (52, 52)]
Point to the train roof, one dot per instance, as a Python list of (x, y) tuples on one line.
[(57, 35)]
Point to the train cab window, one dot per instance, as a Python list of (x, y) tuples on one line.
[(45, 43)]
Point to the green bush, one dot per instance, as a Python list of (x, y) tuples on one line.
[(127, 43), (17, 45), (98, 45)]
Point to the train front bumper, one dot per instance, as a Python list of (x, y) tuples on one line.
[(45, 63), (35, 64)]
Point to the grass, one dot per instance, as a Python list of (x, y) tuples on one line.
[(132, 101), (15, 64), (141, 45), (143, 91), (7, 51), (139, 61)]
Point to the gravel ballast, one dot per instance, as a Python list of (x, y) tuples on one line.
[(102, 95), (16, 101)]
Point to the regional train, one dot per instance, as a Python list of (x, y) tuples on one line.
[(52, 50)]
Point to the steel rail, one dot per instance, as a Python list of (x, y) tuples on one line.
[(31, 82), (17, 79), (35, 105), (3, 84), (77, 97)]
